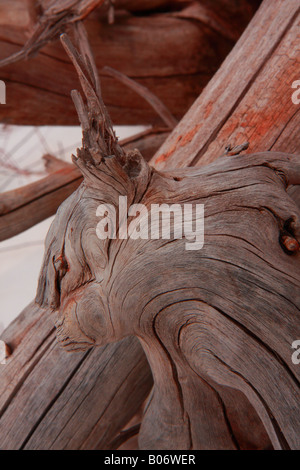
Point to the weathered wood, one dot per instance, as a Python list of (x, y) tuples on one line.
[(217, 326), (194, 323), (4, 352), (156, 104), (46, 395), (147, 143), (26, 206), (249, 98), (51, 18), (146, 5), (227, 17), (193, 326), (19, 375), (159, 39), (14, 13)]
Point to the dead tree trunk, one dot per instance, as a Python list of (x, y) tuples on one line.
[(244, 312)]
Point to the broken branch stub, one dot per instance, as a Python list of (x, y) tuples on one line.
[(224, 315)]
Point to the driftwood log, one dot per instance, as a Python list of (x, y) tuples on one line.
[(46, 394), (226, 315), (33, 428), (40, 200)]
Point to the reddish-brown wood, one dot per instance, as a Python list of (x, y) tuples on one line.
[(145, 48), (249, 98), (24, 207), (46, 395)]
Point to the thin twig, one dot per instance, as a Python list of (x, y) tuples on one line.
[(140, 135), (86, 52), (145, 93)]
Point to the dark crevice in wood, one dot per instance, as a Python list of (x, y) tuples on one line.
[(51, 444), (278, 431), (189, 431), (230, 235), (260, 257), (249, 333), (223, 407), (123, 437), (172, 364), (265, 346), (227, 421)]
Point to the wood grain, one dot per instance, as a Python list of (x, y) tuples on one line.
[(225, 322), (228, 318), (28, 205), (249, 93), (40, 410), (194, 324), (145, 48)]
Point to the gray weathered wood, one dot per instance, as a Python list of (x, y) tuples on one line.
[(227, 314), (45, 394), (226, 323), (237, 299)]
